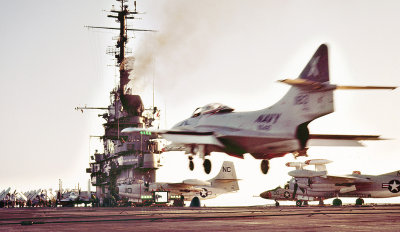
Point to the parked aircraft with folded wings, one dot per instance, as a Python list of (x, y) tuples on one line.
[(271, 132), (316, 185), (225, 182)]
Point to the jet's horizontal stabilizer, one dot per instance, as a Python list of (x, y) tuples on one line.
[(303, 83), (351, 87), (307, 84)]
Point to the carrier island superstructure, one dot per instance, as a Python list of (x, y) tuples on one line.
[(127, 159)]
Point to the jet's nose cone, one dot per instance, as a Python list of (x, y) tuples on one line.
[(265, 194)]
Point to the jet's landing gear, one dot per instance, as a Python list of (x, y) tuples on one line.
[(191, 164), (359, 201), (264, 166), (276, 203), (337, 202), (207, 166), (195, 202), (321, 202), (299, 153)]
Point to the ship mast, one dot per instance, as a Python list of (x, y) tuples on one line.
[(122, 16), (131, 103), (120, 50)]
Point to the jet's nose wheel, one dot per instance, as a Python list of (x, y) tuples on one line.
[(264, 166), (207, 166), (191, 164)]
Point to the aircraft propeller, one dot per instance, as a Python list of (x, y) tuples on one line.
[(296, 186), (295, 189)]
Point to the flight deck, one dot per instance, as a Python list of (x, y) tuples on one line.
[(256, 218)]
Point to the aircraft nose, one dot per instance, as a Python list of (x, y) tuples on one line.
[(177, 125), (266, 195)]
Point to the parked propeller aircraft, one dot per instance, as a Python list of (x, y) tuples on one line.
[(311, 185), (271, 132), (190, 189)]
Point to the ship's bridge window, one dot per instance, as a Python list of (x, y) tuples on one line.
[(213, 108)]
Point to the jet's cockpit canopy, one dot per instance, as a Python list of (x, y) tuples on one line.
[(286, 185), (213, 108)]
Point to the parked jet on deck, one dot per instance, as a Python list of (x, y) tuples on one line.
[(190, 189)]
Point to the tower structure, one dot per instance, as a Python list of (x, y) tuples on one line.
[(127, 159)]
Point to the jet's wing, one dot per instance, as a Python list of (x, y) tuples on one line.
[(191, 137), (182, 137), (340, 140), (189, 183), (179, 185)]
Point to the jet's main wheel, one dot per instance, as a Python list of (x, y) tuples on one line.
[(195, 202), (359, 201), (276, 204), (337, 202), (264, 166), (299, 203), (207, 166), (191, 165)]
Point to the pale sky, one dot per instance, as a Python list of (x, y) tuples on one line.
[(204, 51)]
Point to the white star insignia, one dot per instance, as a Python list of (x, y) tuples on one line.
[(394, 185)]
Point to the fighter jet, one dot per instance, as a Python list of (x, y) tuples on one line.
[(316, 185), (267, 133), (191, 189), (74, 197)]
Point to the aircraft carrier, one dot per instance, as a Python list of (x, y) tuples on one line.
[(126, 160), (258, 218)]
